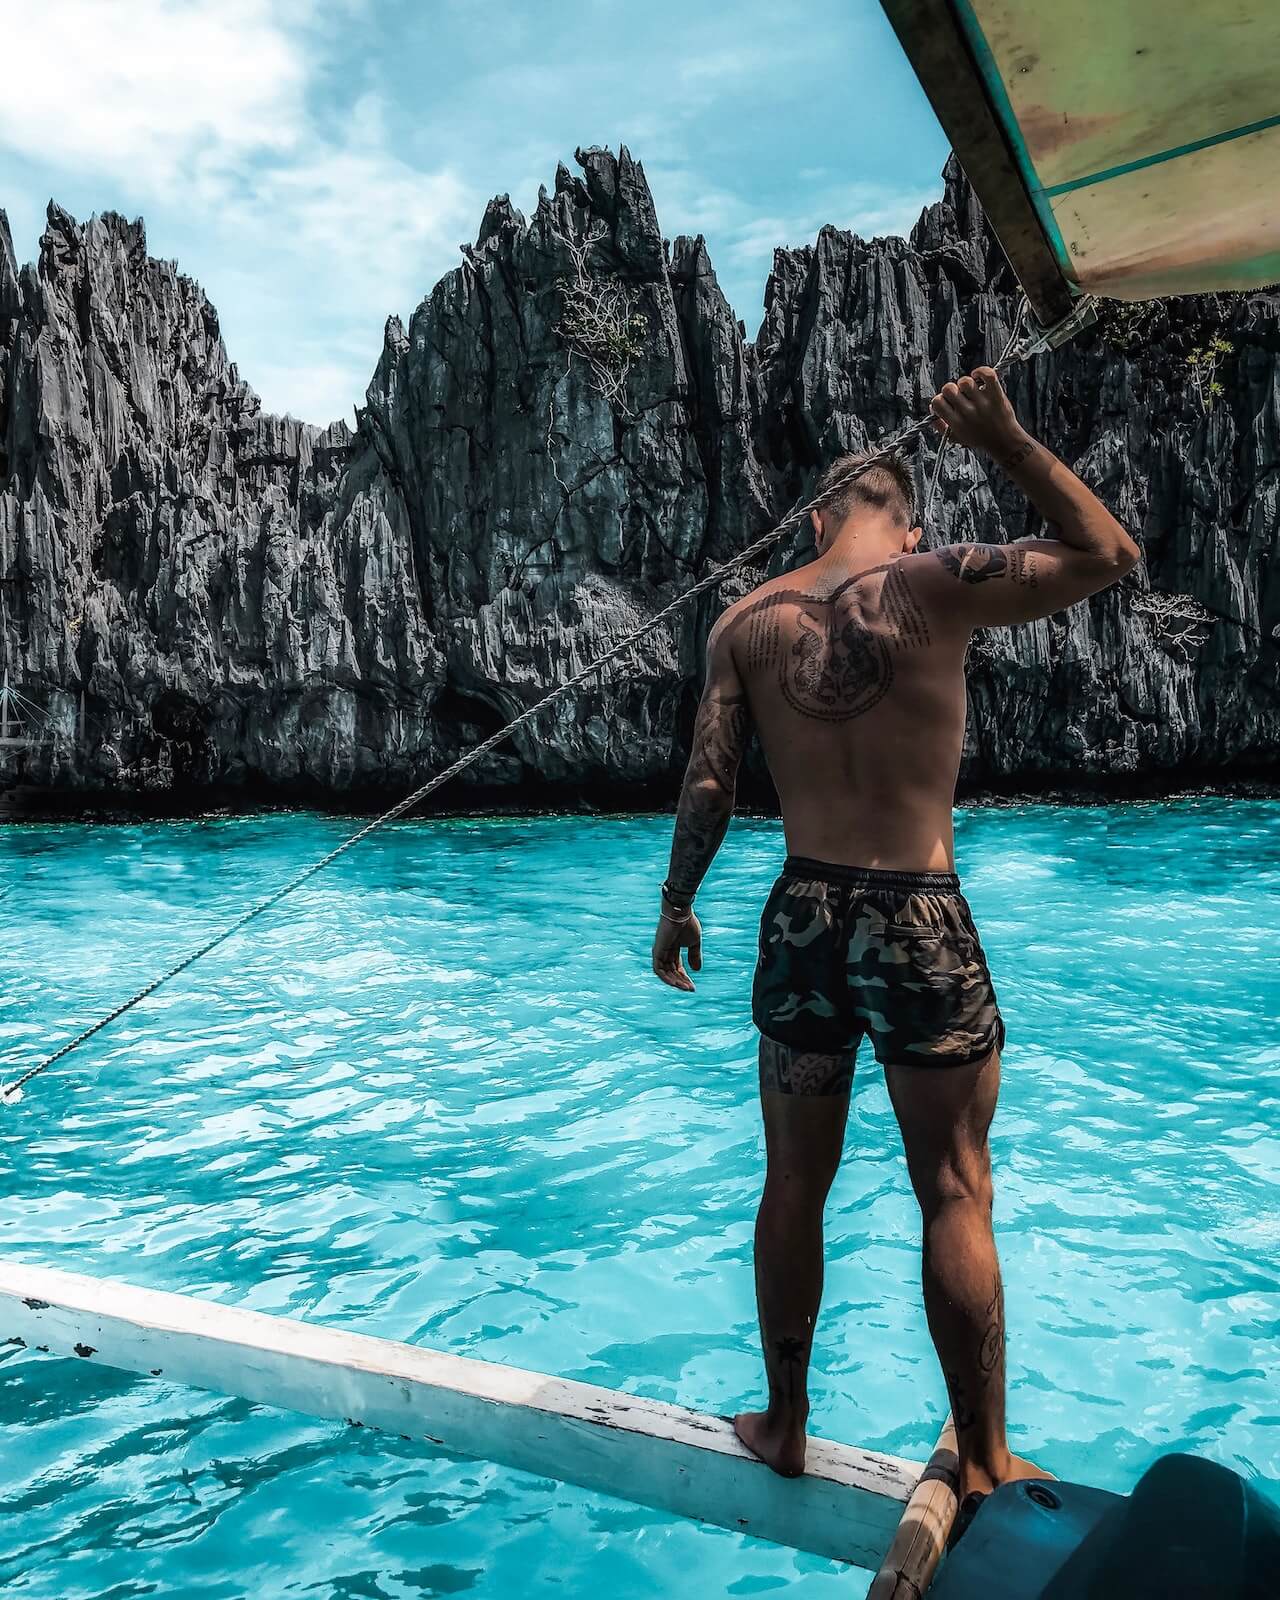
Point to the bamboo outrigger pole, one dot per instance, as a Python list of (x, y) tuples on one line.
[(913, 1557)]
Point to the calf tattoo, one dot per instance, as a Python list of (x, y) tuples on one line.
[(962, 1413), (792, 1354), (990, 1363), (991, 1354)]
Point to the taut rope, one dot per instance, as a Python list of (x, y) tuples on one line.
[(1016, 350)]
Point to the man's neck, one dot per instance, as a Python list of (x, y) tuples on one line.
[(862, 544)]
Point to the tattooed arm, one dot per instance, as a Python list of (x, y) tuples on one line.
[(706, 803), (997, 584)]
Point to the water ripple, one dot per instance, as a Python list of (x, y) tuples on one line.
[(441, 1098)]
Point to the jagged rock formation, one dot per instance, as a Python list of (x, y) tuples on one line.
[(570, 430)]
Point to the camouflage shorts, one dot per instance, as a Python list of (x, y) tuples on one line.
[(848, 951)]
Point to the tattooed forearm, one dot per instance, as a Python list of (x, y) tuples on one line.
[(974, 563), (706, 800), (1023, 567), (719, 741), (1018, 456), (701, 824)]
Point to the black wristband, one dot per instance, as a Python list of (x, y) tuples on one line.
[(681, 899)]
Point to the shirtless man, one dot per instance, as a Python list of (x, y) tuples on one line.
[(852, 671)]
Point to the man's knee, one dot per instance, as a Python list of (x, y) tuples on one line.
[(795, 1193), (959, 1177)]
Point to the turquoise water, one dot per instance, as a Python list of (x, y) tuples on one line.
[(441, 1099)]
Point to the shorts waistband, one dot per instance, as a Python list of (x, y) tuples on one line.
[(871, 877)]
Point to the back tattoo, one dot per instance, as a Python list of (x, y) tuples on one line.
[(836, 667)]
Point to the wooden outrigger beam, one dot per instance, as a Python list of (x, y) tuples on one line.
[(846, 1507)]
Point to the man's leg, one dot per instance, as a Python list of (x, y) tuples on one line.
[(945, 1114), (805, 1100)]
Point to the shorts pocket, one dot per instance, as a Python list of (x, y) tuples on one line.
[(924, 934)]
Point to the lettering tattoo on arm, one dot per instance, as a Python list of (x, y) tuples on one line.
[(1018, 456), (706, 801), (1023, 567)]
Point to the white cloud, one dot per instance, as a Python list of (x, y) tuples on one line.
[(200, 107), (322, 389), (745, 238), (713, 69), (310, 210), (149, 86), (355, 213)]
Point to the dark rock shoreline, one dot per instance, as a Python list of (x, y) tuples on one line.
[(571, 429)]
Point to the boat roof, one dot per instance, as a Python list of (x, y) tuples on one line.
[(1120, 150)]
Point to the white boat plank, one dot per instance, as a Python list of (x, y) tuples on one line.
[(847, 1506)]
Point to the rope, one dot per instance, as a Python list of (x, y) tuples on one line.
[(943, 442), (1001, 360), (1013, 353)]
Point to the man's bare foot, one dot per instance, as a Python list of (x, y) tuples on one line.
[(780, 1443), (980, 1480)]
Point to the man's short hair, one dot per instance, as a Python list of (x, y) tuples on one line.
[(888, 486)]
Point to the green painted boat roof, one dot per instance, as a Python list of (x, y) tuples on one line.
[(1126, 148)]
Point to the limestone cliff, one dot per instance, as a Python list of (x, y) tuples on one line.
[(571, 429)]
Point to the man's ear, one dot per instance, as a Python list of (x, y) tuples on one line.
[(912, 539), (816, 518)]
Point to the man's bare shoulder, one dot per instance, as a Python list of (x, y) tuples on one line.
[(750, 629), (943, 574), (798, 583)]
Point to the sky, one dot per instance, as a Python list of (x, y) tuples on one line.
[(315, 164)]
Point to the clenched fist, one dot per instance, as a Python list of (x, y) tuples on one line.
[(975, 412)]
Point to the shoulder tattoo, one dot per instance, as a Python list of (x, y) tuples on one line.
[(902, 613), (974, 563)]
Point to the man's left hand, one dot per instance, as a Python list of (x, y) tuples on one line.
[(670, 939)]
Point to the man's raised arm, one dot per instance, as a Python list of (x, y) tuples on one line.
[(995, 584), (720, 737)]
